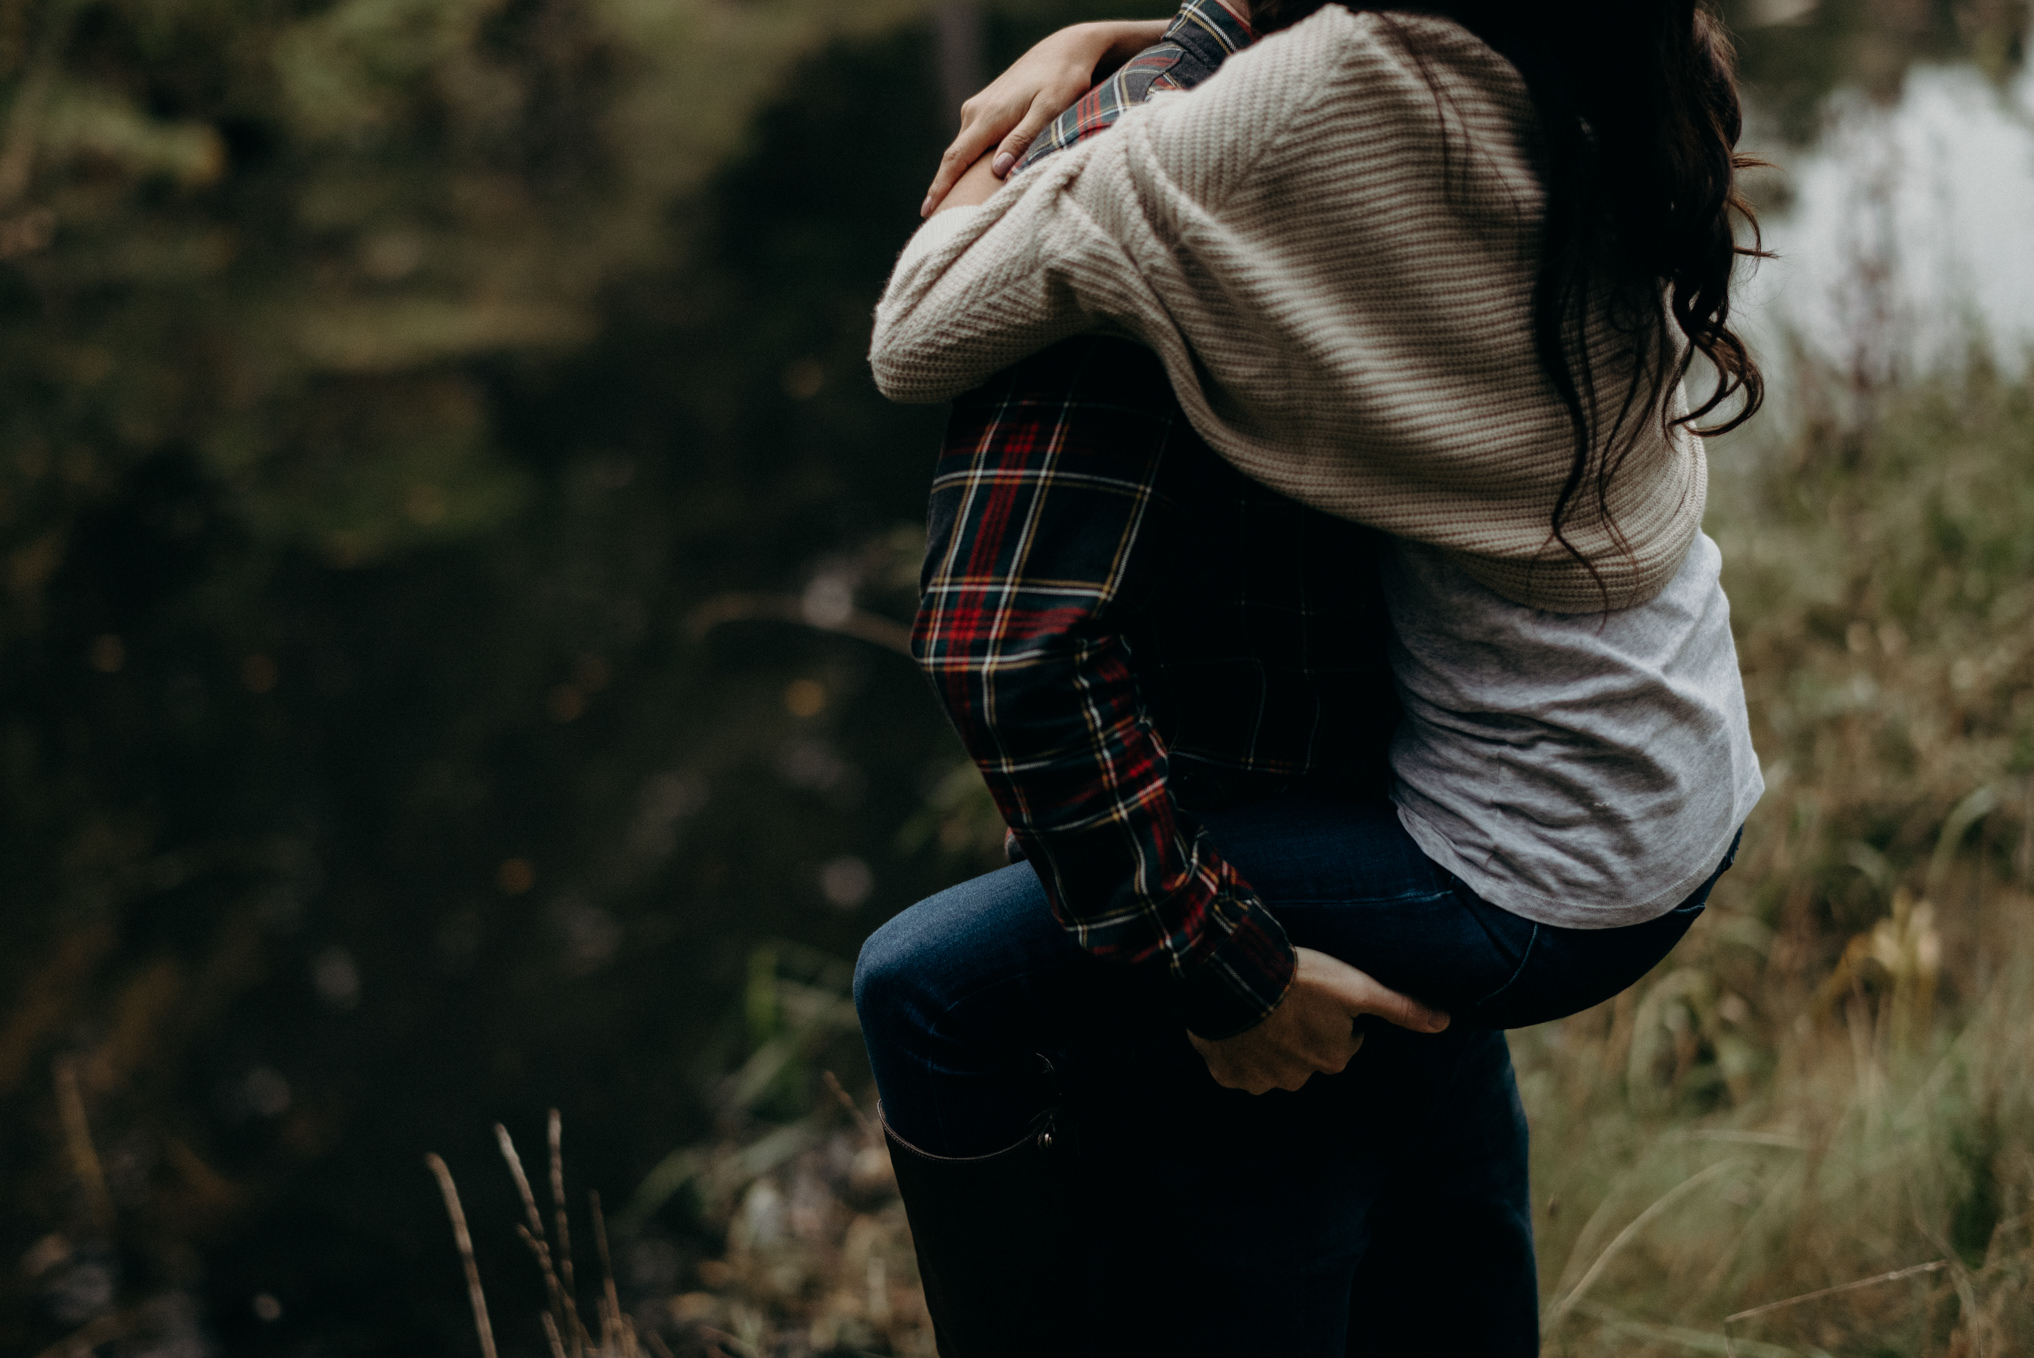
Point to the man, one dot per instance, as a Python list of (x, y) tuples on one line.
[(1133, 641)]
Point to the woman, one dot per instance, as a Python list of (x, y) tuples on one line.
[(1439, 273)]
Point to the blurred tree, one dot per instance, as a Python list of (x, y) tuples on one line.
[(271, 234)]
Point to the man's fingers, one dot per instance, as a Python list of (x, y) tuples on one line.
[(1359, 993), (1331, 1044), (1368, 997), (1346, 1054), (1249, 1081), (1254, 1077)]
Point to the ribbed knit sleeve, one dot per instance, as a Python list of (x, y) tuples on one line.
[(1106, 232), (1332, 244)]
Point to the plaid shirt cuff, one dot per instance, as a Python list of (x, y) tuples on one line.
[(1243, 976)]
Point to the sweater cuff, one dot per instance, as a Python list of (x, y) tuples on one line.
[(1242, 979)]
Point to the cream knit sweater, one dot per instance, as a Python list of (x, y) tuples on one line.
[(1335, 259)]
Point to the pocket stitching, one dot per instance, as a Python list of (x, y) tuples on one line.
[(1524, 960)]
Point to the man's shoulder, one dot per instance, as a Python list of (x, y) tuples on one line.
[(1163, 66), (1203, 35)]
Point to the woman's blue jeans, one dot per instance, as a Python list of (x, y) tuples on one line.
[(1368, 1192)]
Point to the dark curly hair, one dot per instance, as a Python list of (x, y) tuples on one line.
[(1640, 116)]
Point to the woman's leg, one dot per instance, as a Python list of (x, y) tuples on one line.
[(1569, 970), (973, 1002), (1345, 878)]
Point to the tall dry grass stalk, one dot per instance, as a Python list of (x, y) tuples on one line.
[(818, 1257), (463, 1239), (1853, 1155), (564, 1334)]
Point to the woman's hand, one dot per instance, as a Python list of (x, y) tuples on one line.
[(1019, 103), (1313, 1029)]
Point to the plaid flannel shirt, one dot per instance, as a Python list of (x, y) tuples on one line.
[(1111, 613), (1201, 36)]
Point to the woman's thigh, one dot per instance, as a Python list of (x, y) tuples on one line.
[(1346, 879), (969, 997), (985, 967), (1569, 970)]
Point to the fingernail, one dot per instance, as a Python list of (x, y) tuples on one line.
[(925, 208), (1002, 164)]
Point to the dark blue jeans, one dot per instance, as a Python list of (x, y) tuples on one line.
[(1374, 1185)]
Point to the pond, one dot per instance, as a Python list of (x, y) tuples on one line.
[(1906, 233)]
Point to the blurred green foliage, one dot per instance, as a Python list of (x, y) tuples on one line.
[(275, 237)]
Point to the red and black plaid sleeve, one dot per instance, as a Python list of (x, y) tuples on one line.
[(1202, 35), (1046, 525), (1047, 532)]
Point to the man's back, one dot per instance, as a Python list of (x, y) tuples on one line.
[(1125, 630)]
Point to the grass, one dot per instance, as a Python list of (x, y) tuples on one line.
[(1832, 1081)]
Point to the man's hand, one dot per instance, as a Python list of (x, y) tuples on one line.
[(1043, 83), (1313, 1029)]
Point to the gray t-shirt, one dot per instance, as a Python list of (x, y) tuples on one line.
[(1585, 770)]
